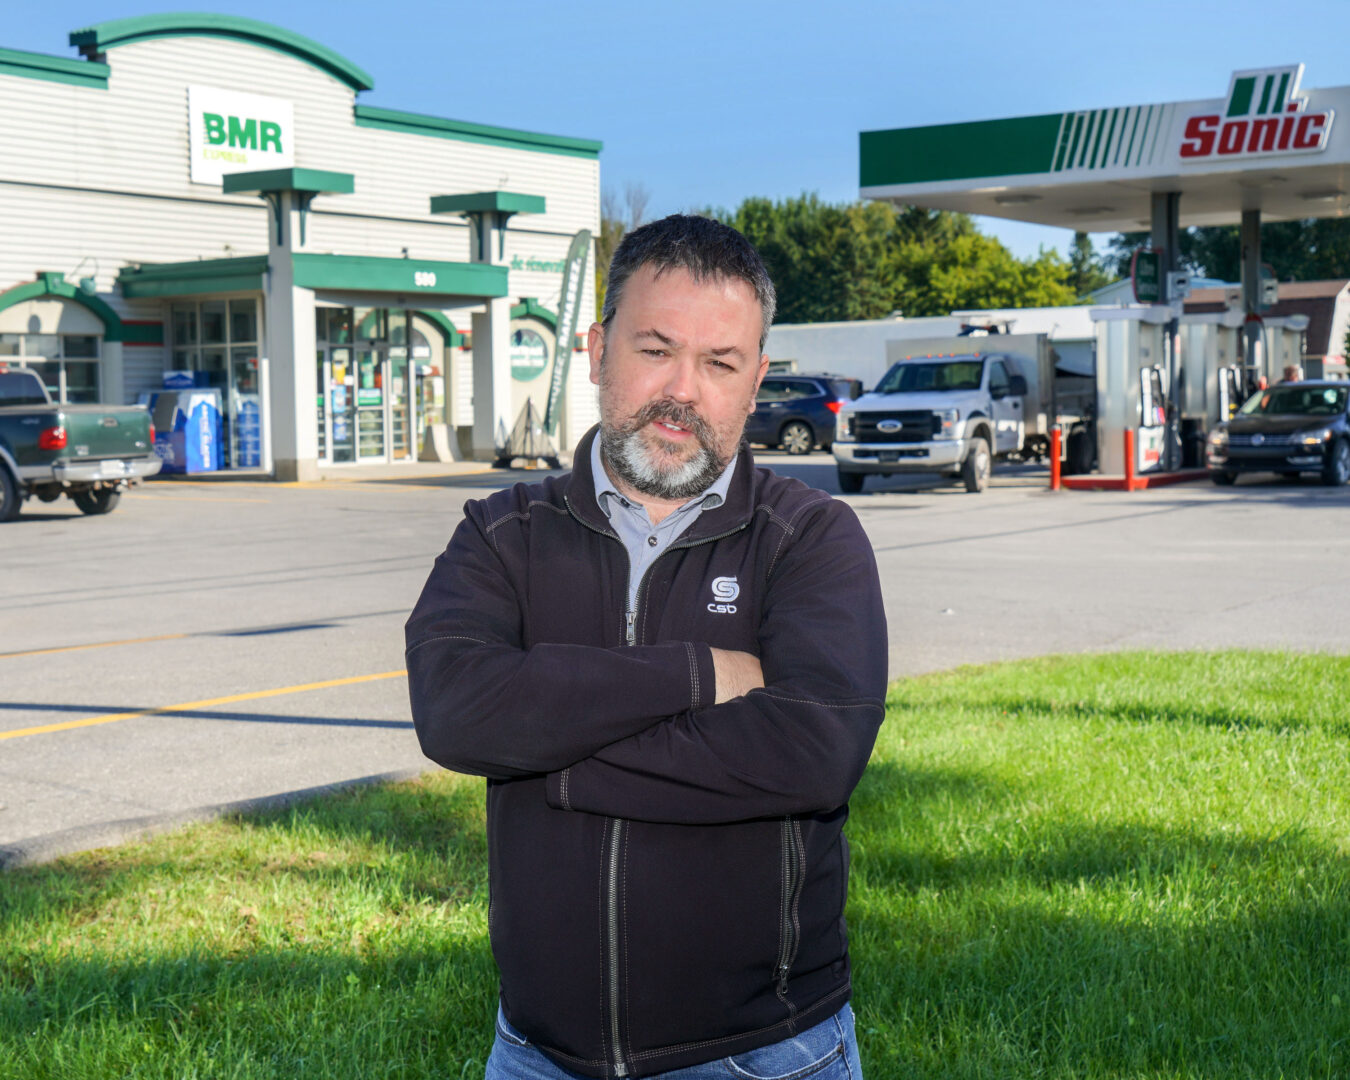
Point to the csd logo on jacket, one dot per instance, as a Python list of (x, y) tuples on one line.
[(724, 590)]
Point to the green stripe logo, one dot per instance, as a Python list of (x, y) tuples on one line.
[(1263, 92), (1110, 138)]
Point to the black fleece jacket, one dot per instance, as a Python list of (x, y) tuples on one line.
[(667, 875)]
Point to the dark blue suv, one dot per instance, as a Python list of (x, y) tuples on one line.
[(797, 412)]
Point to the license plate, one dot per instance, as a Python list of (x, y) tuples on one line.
[(888, 455), (114, 468)]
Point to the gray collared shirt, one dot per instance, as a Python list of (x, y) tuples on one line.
[(644, 541)]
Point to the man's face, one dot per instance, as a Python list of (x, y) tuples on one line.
[(678, 369)]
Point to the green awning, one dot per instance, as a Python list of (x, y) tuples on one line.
[(408, 278), (478, 202), (198, 278), (308, 181)]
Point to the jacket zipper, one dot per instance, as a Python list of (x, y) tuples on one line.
[(615, 846), (788, 931), (612, 925), (617, 824)]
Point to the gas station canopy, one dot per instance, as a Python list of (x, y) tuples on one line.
[(1266, 146)]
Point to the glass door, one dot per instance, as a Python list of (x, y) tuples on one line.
[(342, 404), (370, 386), (244, 409), (403, 402), (321, 399)]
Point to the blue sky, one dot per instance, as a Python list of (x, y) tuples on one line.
[(706, 102)]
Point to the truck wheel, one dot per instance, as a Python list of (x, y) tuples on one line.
[(9, 496), (102, 501), (1337, 469), (796, 438), (850, 483), (975, 469)]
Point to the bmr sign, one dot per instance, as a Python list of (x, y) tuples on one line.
[(230, 132), (1263, 115)]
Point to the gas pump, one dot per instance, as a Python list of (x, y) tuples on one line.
[(1256, 353), (1131, 385), (1232, 391), (1152, 428)]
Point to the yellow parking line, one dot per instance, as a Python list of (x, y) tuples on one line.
[(93, 645), (252, 695)]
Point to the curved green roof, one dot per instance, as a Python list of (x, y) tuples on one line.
[(106, 35)]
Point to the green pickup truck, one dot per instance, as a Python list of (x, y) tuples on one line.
[(90, 452)]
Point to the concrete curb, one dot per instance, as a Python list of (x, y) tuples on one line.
[(42, 849)]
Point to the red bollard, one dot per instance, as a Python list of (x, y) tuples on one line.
[(1129, 459), (1054, 458)]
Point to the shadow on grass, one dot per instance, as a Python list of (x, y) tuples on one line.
[(341, 938), (1036, 848), (416, 841), (1046, 947), (1215, 715), (390, 1011)]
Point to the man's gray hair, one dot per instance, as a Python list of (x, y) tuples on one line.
[(706, 249)]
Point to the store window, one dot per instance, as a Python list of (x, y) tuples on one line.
[(208, 335), (219, 340), (67, 363)]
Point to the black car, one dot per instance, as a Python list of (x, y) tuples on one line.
[(797, 412), (1290, 428)]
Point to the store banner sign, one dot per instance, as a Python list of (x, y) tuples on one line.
[(1146, 273), (1263, 115), (569, 304), (529, 354), (230, 132)]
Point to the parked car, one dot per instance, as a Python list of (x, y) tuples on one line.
[(797, 412), (89, 452), (1290, 428)]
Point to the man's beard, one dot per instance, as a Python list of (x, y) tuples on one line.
[(657, 470)]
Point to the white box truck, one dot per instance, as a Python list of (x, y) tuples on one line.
[(956, 404)]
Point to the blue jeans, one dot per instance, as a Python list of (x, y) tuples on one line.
[(828, 1051)]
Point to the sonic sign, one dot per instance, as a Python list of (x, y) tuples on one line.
[(1263, 115)]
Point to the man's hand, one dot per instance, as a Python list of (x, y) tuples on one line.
[(737, 673)]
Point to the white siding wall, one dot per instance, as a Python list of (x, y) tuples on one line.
[(98, 179), (142, 370)]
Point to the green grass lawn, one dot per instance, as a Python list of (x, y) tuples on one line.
[(1125, 866)]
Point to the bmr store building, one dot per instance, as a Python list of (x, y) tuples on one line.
[(205, 194)]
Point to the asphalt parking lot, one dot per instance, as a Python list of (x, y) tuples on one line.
[(214, 643)]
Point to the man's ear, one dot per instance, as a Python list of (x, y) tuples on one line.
[(595, 345), (759, 378)]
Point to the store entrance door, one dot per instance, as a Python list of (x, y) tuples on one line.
[(337, 405), (367, 410), (402, 403), (371, 422)]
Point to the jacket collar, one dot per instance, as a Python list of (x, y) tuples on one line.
[(579, 491)]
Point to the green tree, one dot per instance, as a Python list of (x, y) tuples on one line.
[(842, 262), (1086, 272), (1305, 250)]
